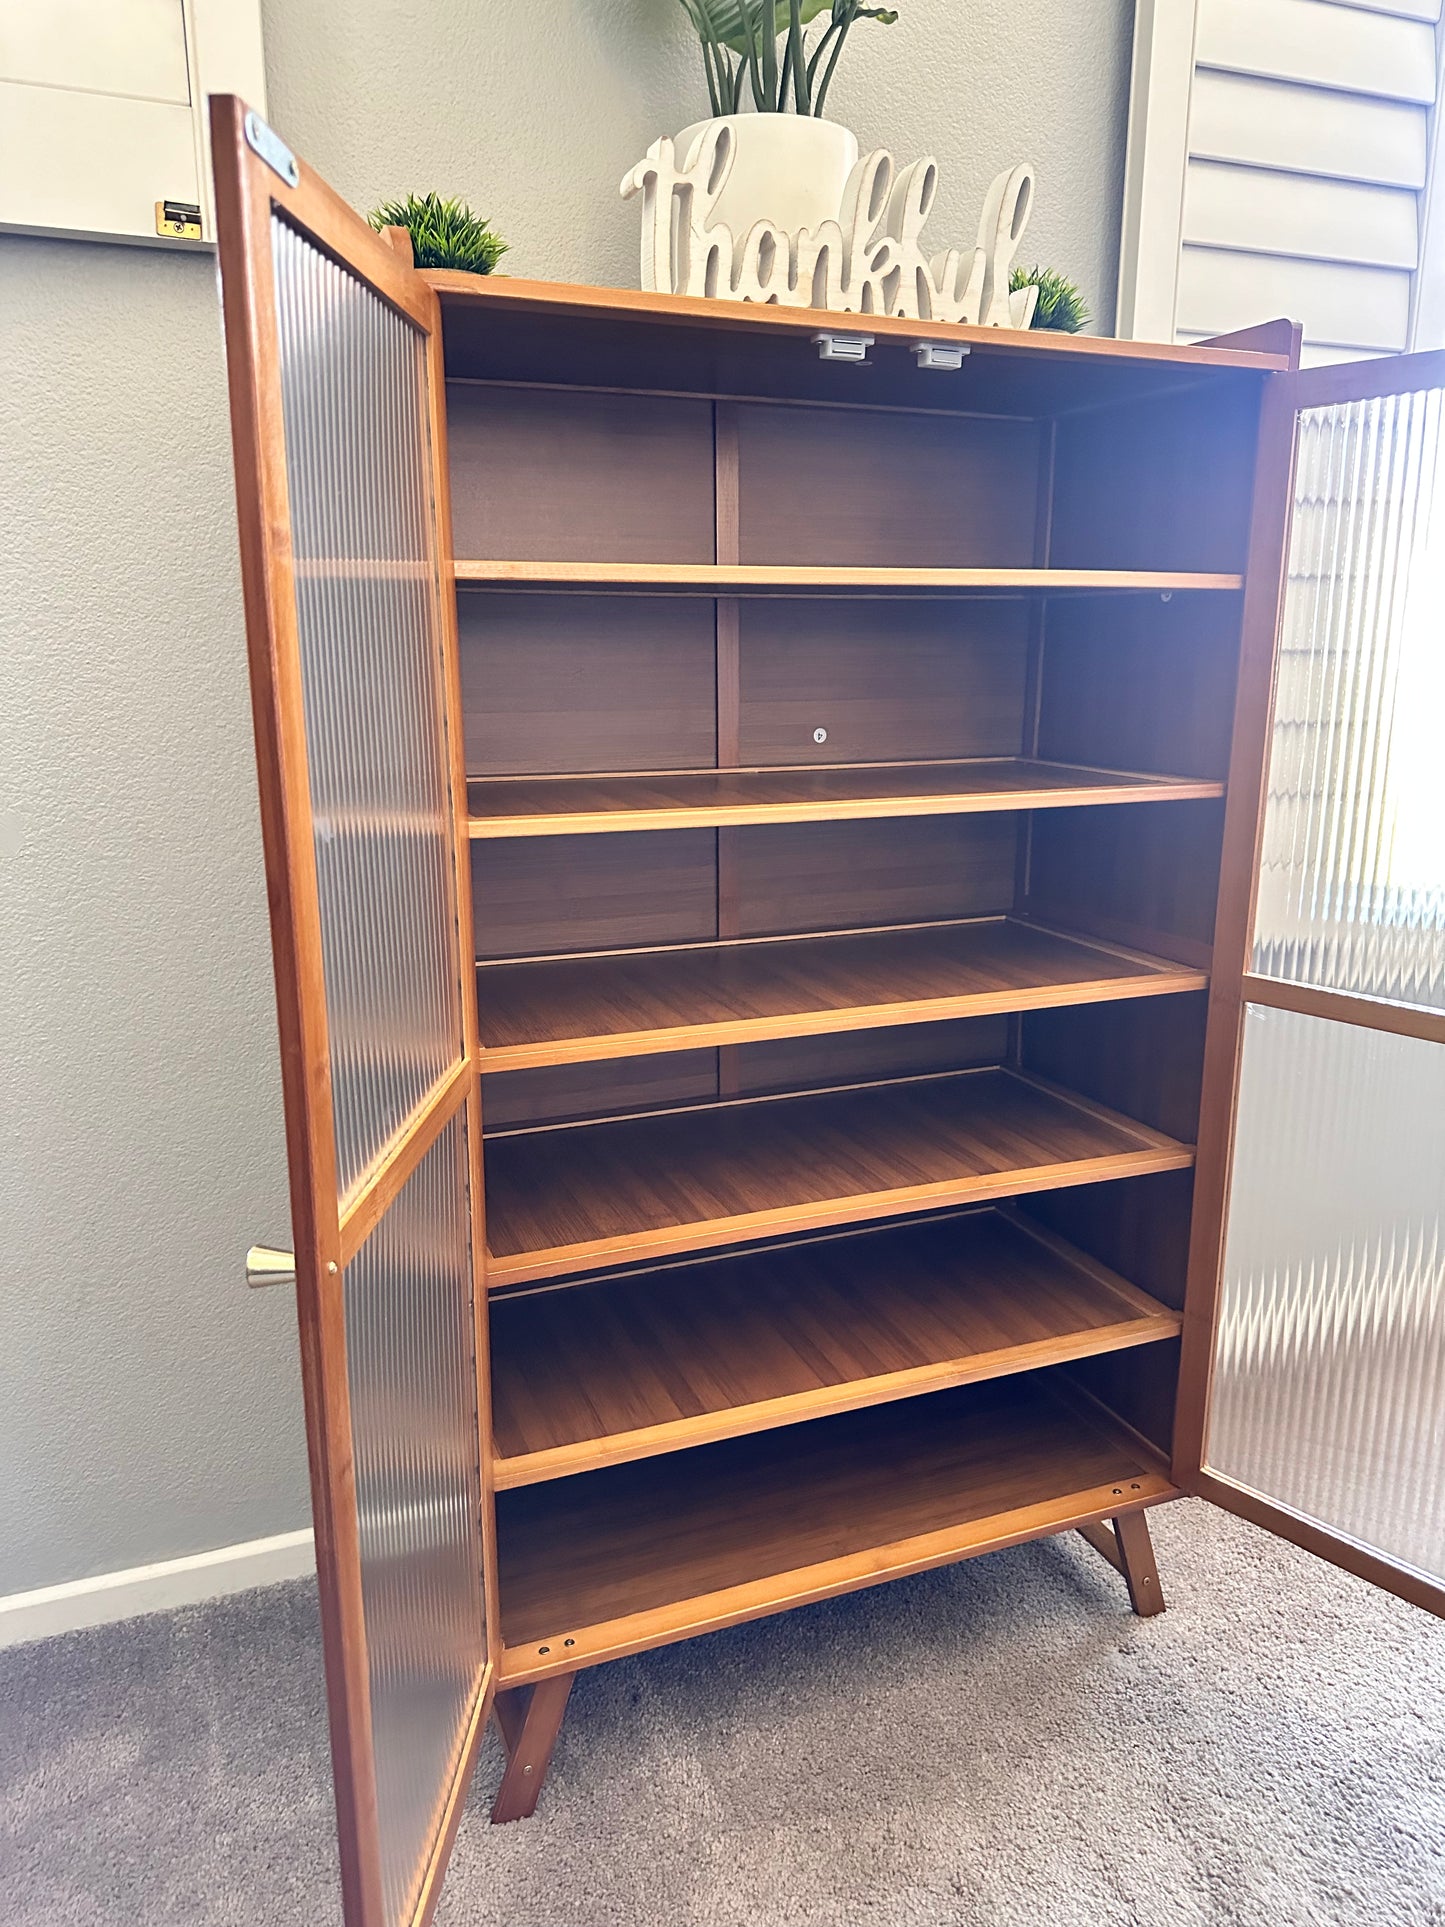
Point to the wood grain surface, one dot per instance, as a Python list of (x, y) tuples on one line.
[(816, 579), (558, 805), (570, 1009), (580, 1197), (627, 1367), (798, 1513)]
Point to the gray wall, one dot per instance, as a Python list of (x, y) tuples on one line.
[(148, 1406)]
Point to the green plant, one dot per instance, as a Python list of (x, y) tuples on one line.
[(1060, 305), (740, 44), (444, 234)]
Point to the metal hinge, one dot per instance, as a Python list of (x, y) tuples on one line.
[(268, 144)]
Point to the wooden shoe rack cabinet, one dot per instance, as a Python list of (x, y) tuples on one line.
[(766, 827)]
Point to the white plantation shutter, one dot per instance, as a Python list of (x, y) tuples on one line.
[(1280, 162), (103, 111)]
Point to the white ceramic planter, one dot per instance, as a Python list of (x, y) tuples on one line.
[(790, 169)]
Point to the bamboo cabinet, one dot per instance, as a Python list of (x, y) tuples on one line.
[(763, 860)]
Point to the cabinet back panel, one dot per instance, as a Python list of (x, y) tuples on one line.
[(1145, 877), (1164, 484), (554, 684), (577, 1091), (838, 876), (554, 476), (832, 487), (802, 1063), (571, 1091), (544, 894), (1131, 682), (890, 682)]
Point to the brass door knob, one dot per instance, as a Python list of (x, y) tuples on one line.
[(267, 1266)]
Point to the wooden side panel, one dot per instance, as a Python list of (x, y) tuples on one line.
[(1161, 484), (1140, 682), (581, 682), (1142, 1390), (1133, 1228), (1146, 1061), (548, 476), (1141, 1229), (1145, 878), (834, 486), (1140, 1058)]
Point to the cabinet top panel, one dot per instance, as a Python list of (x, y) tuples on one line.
[(572, 334)]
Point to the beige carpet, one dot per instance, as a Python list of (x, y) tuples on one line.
[(1000, 1743)]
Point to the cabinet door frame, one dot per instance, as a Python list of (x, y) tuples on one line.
[(1233, 983), (327, 1235)]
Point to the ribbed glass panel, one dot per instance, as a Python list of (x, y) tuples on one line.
[(411, 1361), (1329, 1391), (357, 453), (1352, 890)]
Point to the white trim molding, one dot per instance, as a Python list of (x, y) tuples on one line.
[(1155, 162), (112, 1596)]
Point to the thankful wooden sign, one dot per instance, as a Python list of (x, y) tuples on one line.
[(870, 259)]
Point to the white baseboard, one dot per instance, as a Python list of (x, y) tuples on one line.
[(111, 1596)]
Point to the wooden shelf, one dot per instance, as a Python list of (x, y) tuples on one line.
[(587, 1197), (510, 806), (629, 1558), (628, 1367), (775, 578), (568, 1010)]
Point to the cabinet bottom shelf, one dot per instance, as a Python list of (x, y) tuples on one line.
[(636, 1556)]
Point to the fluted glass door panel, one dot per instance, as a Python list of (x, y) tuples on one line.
[(411, 1366), (364, 556), (1329, 1392), (1352, 879)]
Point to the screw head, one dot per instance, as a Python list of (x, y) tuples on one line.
[(820, 735)]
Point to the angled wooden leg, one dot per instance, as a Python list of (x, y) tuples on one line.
[(1126, 1544), (528, 1719)]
